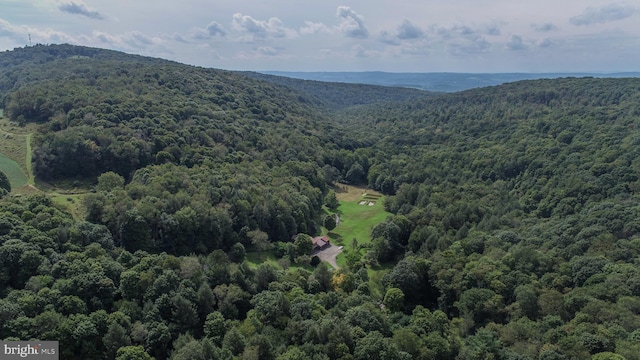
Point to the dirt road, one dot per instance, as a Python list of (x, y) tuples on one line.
[(329, 254)]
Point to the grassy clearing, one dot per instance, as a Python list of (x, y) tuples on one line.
[(356, 219), (16, 150), (16, 176), (28, 160), (256, 258), (72, 203)]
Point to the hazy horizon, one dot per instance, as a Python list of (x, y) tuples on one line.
[(460, 36)]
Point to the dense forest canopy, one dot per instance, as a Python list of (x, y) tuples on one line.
[(513, 234)]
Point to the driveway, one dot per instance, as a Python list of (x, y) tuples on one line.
[(329, 254)]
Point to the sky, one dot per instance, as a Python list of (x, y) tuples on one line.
[(473, 36)]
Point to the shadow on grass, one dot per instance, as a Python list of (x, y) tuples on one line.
[(338, 188), (328, 211), (335, 236)]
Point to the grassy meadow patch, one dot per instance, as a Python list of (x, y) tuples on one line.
[(14, 145), (257, 258), (72, 203), (16, 176), (359, 211)]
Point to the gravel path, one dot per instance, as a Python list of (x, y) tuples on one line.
[(329, 254)]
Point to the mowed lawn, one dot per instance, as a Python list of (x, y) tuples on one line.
[(16, 176), (356, 220)]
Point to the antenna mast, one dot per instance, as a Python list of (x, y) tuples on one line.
[(30, 39)]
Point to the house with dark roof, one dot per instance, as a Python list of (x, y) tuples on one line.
[(321, 242)]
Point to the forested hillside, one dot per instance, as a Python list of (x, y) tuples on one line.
[(338, 96), (513, 235)]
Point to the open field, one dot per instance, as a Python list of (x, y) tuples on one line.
[(70, 202), (16, 176), (15, 151), (257, 258), (360, 210), (356, 219)]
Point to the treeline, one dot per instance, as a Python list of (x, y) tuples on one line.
[(338, 96)]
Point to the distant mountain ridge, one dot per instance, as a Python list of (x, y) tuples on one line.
[(439, 82)]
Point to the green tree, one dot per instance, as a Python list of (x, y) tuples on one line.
[(206, 300), (132, 353), (356, 174), (215, 327), (271, 307), (329, 222), (135, 232), (234, 341), (373, 346), (265, 274), (115, 338), (110, 181), (607, 356), (409, 342), (4, 182), (157, 339), (183, 313), (293, 353), (331, 201), (394, 299), (237, 253), (303, 245)]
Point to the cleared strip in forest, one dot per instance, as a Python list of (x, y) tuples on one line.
[(15, 147), (16, 176)]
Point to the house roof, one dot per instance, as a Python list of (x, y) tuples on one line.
[(321, 240)]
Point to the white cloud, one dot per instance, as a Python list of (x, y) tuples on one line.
[(516, 43), (212, 30), (78, 8), (545, 43), (11, 31), (544, 27), (365, 53), (133, 40), (493, 30), (252, 29), (389, 38), (21, 34), (603, 14), (215, 29), (351, 24), (267, 50), (409, 31), (469, 47), (462, 40), (457, 35), (406, 31), (311, 27)]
